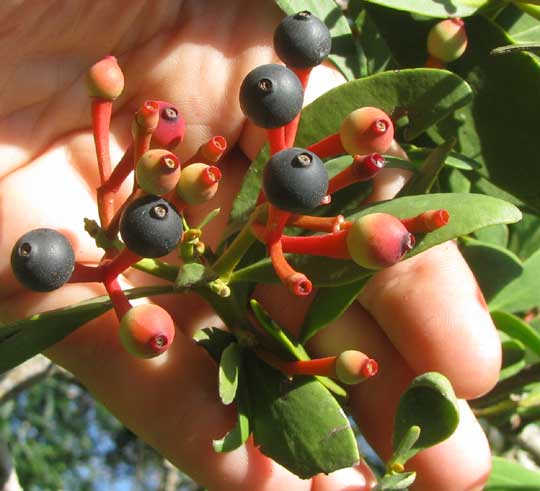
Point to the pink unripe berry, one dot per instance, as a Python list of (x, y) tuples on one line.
[(447, 40), (146, 330), (354, 366), (366, 130), (105, 79), (198, 183), (378, 240), (157, 171), (171, 127)]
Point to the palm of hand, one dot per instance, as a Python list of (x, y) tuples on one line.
[(195, 54)]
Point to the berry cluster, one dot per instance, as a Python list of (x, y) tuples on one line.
[(295, 182), (150, 221)]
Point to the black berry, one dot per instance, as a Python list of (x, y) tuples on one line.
[(302, 40), (271, 96), (151, 227), (42, 260), (295, 180)]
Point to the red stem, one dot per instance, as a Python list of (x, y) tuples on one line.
[(328, 245), (433, 62), (86, 274), (328, 147), (427, 221), (317, 224), (296, 282), (362, 168), (101, 121), (118, 298), (214, 149), (122, 261), (291, 128), (276, 139)]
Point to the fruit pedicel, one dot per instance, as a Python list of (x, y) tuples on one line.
[(295, 183)]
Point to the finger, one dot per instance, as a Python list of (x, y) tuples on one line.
[(171, 402), (433, 312), (374, 404)]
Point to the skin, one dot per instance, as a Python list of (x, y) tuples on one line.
[(423, 314)]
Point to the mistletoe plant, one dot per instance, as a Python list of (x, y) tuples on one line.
[(302, 218)]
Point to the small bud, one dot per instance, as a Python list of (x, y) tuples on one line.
[(366, 130), (146, 330), (378, 240), (105, 79), (447, 40)]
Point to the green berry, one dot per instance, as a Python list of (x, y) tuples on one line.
[(157, 171), (366, 130), (378, 240), (447, 40), (198, 183), (105, 79), (146, 330)]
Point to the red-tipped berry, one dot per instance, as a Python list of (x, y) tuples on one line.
[(198, 183), (447, 40), (157, 171), (378, 240), (105, 79), (366, 130), (146, 330), (302, 40), (271, 96), (42, 260), (354, 366)]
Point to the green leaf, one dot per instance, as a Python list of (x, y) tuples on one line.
[(238, 435), (507, 475), (494, 267), (22, 339), (229, 367), (191, 274), (208, 218), (329, 305), (426, 95), (374, 53), (431, 404), (523, 292), (298, 423), (214, 341), (391, 482), (509, 80), (422, 182), (344, 54), (524, 237), (518, 329), (289, 345), (443, 9), (521, 27), (468, 213), (513, 358), (496, 235)]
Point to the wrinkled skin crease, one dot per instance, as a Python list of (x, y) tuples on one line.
[(195, 54)]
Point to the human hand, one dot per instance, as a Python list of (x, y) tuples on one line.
[(423, 314)]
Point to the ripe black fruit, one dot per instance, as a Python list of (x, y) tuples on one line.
[(42, 260), (151, 227), (295, 180), (271, 96), (302, 40)]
